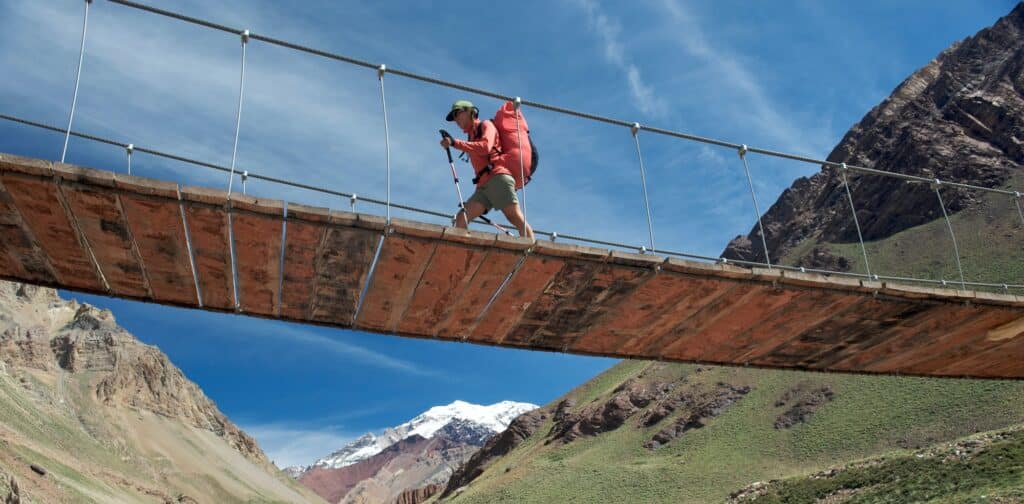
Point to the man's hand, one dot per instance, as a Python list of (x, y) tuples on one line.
[(447, 142)]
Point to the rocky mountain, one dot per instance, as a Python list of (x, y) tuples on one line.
[(108, 418), (406, 461), (958, 118)]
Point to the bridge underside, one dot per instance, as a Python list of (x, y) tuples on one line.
[(100, 232)]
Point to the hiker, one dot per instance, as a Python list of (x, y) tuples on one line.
[(495, 186)]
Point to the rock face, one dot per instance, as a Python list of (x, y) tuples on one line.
[(802, 404), (521, 428), (41, 331), (959, 118)]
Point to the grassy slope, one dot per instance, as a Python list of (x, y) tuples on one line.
[(869, 416), (98, 454), (990, 237), (994, 473)]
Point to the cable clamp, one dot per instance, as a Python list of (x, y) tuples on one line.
[(803, 270), (635, 128), (245, 36), (724, 260), (130, 148), (643, 250), (245, 175), (742, 150), (381, 70), (935, 185), (517, 102), (554, 236)]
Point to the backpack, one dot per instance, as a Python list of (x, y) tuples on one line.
[(508, 140)]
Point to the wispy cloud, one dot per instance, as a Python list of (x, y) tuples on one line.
[(609, 30), (731, 72), (348, 350), (289, 445)]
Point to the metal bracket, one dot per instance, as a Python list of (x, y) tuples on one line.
[(517, 102), (381, 70), (643, 250), (742, 150), (635, 128), (554, 236), (245, 36), (352, 201), (935, 185), (130, 148)]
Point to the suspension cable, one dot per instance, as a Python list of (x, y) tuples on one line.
[(856, 222), (952, 235), (78, 79), (238, 112), (1016, 199), (635, 129), (538, 105), (757, 209), (387, 138)]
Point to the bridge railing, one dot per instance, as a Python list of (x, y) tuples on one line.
[(841, 170)]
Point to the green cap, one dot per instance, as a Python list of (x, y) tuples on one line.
[(457, 106)]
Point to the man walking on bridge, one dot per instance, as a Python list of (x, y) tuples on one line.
[(495, 186)]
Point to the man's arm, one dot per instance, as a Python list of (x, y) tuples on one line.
[(482, 146)]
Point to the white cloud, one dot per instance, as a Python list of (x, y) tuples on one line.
[(731, 72), (609, 31), (346, 350), (288, 445)]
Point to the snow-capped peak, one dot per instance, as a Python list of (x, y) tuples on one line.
[(495, 418)]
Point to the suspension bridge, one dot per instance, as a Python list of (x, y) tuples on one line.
[(116, 234)]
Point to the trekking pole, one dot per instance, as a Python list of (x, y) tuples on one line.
[(458, 188)]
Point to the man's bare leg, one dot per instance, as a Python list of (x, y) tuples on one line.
[(515, 216), (474, 209)]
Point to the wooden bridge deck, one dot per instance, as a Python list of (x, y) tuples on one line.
[(100, 232)]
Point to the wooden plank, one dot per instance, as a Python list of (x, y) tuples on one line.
[(562, 289), (704, 294), (258, 260), (907, 338), (845, 329), (342, 265), (41, 208), (628, 320), (20, 256), (302, 242), (101, 220), (525, 286), (450, 272), (811, 308), (961, 343), (711, 337), (1005, 358), (606, 288), (208, 227), (399, 269), (465, 312), (160, 236)]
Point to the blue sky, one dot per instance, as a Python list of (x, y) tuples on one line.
[(788, 76)]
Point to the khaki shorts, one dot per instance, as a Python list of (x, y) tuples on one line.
[(499, 192)]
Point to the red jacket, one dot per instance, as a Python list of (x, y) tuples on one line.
[(482, 151)]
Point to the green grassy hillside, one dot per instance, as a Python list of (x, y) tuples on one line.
[(867, 416)]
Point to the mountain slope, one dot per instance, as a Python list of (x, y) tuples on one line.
[(716, 430), (110, 419)]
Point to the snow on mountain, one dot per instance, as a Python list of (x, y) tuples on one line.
[(494, 418)]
